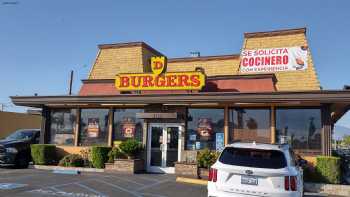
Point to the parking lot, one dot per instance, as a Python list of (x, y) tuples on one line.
[(37, 183), (40, 183)]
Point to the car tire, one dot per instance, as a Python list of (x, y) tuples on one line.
[(22, 162)]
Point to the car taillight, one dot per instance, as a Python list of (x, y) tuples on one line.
[(213, 175), (286, 183), (290, 183)]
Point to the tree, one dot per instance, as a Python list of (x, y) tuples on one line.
[(346, 140)]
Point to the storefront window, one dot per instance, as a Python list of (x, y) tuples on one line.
[(62, 126), (248, 125), (126, 125), (205, 129), (93, 127), (299, 127)]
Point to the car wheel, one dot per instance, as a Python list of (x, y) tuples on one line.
[(22, 162)]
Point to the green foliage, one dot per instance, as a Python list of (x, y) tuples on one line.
[(206, 158), (328, 169), (87, 158), (130, 148), (99, 156), (115, 153), (43, 154), (72, 160)]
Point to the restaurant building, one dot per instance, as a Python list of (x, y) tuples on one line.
[(268, 93)]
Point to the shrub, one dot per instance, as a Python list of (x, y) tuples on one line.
[(115, 153), (72, 160), (43, 154), (328, 169), (99, 156), (206, 158), (86, 155), (130, 148)]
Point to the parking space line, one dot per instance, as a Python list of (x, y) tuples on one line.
[(127, 180), (154, 184), (118, 187), (92, 190), (153, 195)]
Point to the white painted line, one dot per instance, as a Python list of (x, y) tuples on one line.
[(153, 195), (154, 184), (127, 180), (120, 188), (92, 190)]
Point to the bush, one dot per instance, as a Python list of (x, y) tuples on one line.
[(130, 148), (115, 153), (99, 156), (328, 169), (206, 158), (72, 160), (43, 154), (86, 155)]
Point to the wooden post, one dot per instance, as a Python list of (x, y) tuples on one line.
[(45, 125), (273, 124), (77, 128), (226, 125), (326, 137), (110, 127)]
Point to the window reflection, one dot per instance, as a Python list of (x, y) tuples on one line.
[(247, 124), (62, 126), (299, 127), (205, 129), (93, 127)]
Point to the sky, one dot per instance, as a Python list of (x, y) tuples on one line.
[(41, 41)]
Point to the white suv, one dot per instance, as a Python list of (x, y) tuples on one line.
[(250, 169)]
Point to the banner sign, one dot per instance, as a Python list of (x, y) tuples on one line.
[(274, 59), (93, 127), (158, 80), (205, 129)]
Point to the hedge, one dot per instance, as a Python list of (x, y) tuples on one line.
[(72, 160), (99, 156), (328, 169), (43, 154)]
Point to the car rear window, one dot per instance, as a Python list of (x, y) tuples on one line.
[(255, 158)]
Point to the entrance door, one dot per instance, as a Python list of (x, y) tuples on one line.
[(163, 147)]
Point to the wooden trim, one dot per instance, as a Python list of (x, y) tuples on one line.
[(77, 128), (226, 125), (275, 33), (273, 124), (203, 58), (110, 126), (326, 136)]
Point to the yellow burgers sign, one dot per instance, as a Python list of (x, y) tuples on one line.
[(159, 80)]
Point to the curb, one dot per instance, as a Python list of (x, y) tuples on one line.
[(191, 181), (53, 168)]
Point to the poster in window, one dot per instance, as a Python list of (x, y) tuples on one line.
[(93, 128), (128, 127), (219, 142), (205, 129)]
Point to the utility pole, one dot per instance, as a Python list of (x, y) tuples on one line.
[(70, 82)]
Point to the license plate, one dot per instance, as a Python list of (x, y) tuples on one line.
[(249, 180)]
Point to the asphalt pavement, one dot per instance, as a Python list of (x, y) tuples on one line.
[(42, 183)]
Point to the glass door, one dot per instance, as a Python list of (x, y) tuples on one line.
[(163, 147)]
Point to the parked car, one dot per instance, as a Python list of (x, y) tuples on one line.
[(15, 148), (250, 169)]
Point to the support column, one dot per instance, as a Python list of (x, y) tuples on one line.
[(273, 124), (45, 125), (110, 127), (77, 128), (326, 136), (226, 125)]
